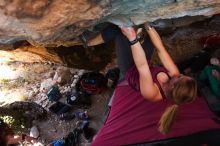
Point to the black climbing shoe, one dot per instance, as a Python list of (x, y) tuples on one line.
[(72, 139), (59, 108), (87, 131), (112, 77), (67, 116)]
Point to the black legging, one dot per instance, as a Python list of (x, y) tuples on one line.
[(123, 49)]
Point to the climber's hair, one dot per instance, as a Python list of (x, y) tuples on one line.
[(184, 91)]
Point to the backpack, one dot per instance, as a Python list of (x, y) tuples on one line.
[(91, 82)]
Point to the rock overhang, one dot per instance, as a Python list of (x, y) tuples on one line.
[(53, 23)]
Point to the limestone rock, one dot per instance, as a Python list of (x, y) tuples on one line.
[(34, 132), (58, 22), (28, 53)]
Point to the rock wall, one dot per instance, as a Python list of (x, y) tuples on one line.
[(61, 22), (184, 42)]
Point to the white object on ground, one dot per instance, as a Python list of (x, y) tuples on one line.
[(34, 132)]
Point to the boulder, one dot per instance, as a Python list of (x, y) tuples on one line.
[(58, 22)]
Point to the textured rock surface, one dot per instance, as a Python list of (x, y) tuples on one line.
[(27, 110), (28, 53), (28, 82), (60, 22), (183, 42)]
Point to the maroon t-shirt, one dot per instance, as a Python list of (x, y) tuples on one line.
[(133, 119)]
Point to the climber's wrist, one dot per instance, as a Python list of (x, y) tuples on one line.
[(148, 27), (134, 41)]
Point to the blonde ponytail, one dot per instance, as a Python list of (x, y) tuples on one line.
[(167, 119)]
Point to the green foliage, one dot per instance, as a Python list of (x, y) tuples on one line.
[(16, 125), (12, 84)]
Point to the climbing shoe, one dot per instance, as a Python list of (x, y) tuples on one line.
[(67, 116), (72, 139), (112, 77), (82, 115), (59, 108), (87, 131)]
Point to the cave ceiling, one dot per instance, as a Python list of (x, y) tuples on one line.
[(52, 23)]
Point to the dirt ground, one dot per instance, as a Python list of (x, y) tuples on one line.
[(53, 128), (22, 81)]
